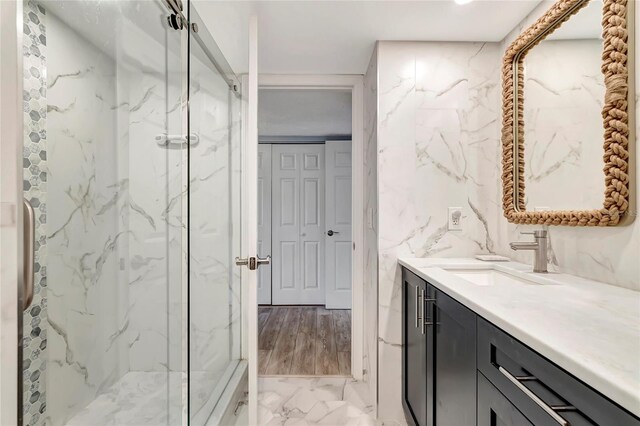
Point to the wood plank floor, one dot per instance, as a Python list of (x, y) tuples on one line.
[(304, 341)]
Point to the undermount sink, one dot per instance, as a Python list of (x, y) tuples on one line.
[(488, 277)]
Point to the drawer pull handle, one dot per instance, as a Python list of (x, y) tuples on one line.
[(549, 410), (526, 378), (564, 408)]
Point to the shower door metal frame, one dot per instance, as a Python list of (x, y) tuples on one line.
[(198, 31)]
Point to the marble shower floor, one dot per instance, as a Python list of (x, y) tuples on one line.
[(310, 401), (142, 399), (138, 398)]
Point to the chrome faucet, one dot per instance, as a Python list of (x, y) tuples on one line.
[(539, 246)]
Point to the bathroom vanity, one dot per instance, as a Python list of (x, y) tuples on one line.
[(494, 344)]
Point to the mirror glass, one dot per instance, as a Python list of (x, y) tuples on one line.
[(563, 98)]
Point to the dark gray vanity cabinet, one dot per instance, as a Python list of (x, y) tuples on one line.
[(460, 370), (414, 351), (439, 357)]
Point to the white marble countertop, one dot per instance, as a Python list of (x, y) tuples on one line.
[(590, 329)]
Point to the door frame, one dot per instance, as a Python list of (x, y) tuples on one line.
[(355, 84)]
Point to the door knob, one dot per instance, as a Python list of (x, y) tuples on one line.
[(252, 262), (330, 232)]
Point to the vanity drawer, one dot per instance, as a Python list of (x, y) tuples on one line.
[(543, 392)]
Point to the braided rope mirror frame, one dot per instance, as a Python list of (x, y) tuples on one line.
[(617, 115)]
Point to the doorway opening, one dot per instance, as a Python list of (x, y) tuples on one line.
[(305, 225)]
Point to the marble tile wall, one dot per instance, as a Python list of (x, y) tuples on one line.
[(437, 141), (35, 190), (604, 254), (438, 145), (370, 361)]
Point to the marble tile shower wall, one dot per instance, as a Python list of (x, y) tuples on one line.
[(35, 190), (115, 217), (438, 118), (86, 313), (149, 104), (609, 255)]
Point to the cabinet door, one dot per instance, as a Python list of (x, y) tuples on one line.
[(494, 409), (414, 350), (454, 362)]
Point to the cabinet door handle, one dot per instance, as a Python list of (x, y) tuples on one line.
[(423, 320), (549, 410), (427, 321), (418, 299)]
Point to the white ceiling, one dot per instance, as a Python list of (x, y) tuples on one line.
[(337, 37)]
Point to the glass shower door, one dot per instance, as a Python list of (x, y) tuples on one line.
[(104, 89), (214, 226)]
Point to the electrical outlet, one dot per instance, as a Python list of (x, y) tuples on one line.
[(455, 219)]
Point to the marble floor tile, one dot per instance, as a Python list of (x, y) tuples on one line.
[(314, 401)]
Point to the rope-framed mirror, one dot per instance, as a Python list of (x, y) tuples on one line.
[(617, 134)]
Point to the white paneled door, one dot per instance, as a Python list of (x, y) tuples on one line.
[(264, 222), (298, 227), (338, 224)]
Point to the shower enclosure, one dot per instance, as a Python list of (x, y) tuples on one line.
[(135, 318)]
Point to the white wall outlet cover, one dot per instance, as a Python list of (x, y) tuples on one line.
[(455, 219)]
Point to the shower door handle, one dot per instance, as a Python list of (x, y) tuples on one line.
[(29, 227), (253, 262)]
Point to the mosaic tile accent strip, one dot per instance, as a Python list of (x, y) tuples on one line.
[(35, 187)]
